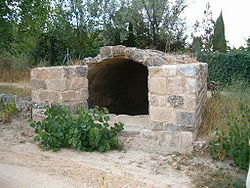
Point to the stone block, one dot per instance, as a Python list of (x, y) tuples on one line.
[(68, 96), (81, 71), (56, 72), (176, 101), (106, 52), (191, 85), (154, 72), (188, 70), (155, 61), (156, 126), (49, 96), (58, 84), (137, 121), (118, 50), (185, 118), (175, 85), (40, 73), (78, 83), (162, 114), (191, 102), (186, 140), (158, 85), (38, 84), (84, 94), (169, 70)]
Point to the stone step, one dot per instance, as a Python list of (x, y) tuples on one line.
[(131, 130)]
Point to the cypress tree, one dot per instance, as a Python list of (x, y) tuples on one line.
[(219, 41)]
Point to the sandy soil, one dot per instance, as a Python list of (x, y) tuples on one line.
[(23, 164)]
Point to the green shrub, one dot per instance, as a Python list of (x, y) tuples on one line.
[(86, 131), (234, 143), (7, 110), (226, 67)]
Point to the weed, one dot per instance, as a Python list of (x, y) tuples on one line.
[(7, 110), (233, 144), (88, 131), (20, 92)]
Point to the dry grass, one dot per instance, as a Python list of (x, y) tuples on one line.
[(20, 92), (14, 76), (219, 107)]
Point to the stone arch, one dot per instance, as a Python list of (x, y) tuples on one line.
[(119, 84), (176, 93)]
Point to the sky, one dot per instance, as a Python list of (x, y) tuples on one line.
[(236, 15)]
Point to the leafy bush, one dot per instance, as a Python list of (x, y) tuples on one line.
[(86, 131), (226, 67), (7, 110), (234, 143), (14, 67)]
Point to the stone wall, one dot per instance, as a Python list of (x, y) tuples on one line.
[(66, 85), (176, 93)]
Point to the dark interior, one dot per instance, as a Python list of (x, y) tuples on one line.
[(120, 85)]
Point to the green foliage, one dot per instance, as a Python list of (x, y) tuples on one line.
[(234, 143), (219, 40), (227, 67), (7, 110), (203, 32), (88, 131)]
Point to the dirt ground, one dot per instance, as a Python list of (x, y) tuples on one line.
[(24, 165)]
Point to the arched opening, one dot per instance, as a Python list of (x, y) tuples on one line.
[(120, 85)]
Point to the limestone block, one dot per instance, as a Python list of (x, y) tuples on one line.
[(191, 102), (78, 83), (191, 85), (137, 121), (171, 127), (169, 70), (156, 125), (81, 71), (161, 114), (158, 85), (175, 85), (186, 140), (188, 70), (148, 134), (106, 52), (155, 61), (49, 96), (84, 94), (38, 84), (176, 101), (118, 50), (68, 96), (58, 84), (56, 72), (155, 72), (162, 100), (40, 73), (75, 71), (185, 118)]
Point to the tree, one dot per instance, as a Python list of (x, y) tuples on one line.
[(205, 30), (6, 26), (219, 41), (164, 22)]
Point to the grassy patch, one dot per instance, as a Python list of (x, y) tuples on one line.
[(217, 179), (14, 75), (219, 107), (20, 92)]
